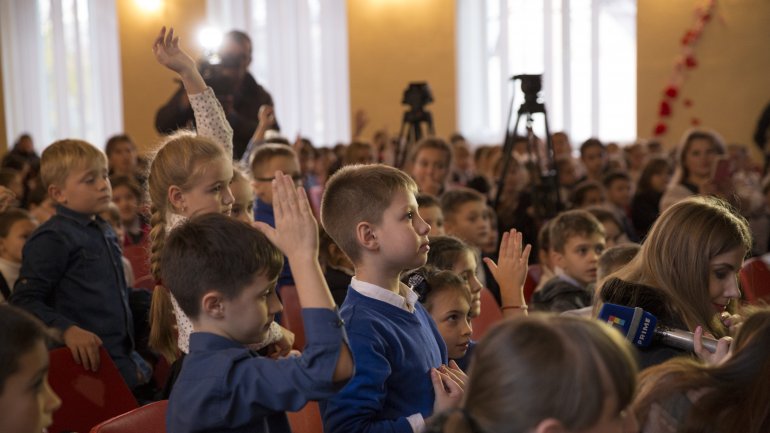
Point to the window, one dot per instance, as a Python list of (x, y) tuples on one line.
[(61, 69), (585, 49), (300, 55)]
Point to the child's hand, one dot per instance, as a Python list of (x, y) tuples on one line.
[(448, 393), (6, 198), (296, 231), (723, 348), (455, 372), (167, 52), (84, 346), (282, 347), (510, 271), (733, 322)]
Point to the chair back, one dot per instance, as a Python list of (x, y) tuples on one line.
[(490, 314), (88, 398), (306, 420), (146, 419), (291, 318), (755, 281)]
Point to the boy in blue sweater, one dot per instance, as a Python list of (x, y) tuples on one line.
[(223, 274), (401, 378)]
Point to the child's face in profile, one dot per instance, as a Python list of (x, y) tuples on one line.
[(465, 268), (580, 257), (435, 219), (27, 402), (11, 245), (86, 189), (248, 316), (243, 206), (470, 223), (127, 203), (451, 312), (430, 170), (210, 193), (402, 235), (263, 185)]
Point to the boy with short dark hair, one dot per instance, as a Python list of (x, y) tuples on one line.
[(72, 274), (577, 241), (223, 274), (593, 155), (371, 213), (617, 186)]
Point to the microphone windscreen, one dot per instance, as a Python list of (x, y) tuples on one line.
[(637, 325)]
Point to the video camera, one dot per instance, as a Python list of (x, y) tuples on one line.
[(222, 74)]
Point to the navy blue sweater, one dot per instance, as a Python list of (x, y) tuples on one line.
[(394, 351)]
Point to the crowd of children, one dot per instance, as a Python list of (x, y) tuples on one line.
[(403, 263)]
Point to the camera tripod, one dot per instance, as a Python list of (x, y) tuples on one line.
[(411, 131), (545, 187)]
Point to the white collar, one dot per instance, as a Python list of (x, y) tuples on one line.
[(406, 300), (174, 220)]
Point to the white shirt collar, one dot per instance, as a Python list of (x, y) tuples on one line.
[(406, 300)]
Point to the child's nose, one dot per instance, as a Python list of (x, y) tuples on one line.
[(274, 305), (228, 198), (423, 228)]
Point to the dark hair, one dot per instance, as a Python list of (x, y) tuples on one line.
[(445, 250), (581, 190), (7, 175), (10, 217), (613, 176), (453, 199), (572, 223), (604, 215), (19, 332), (215, 252), (37, 196), (265, 153), (130, 183), (614, 258), (114, 140), (427, 200), (591, 142), (427, 282), (654, 166)]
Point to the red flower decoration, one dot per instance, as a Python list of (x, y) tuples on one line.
[(672, 91), (690, 62), (665, 109), (695, 121), (687, 102), (660, 129)]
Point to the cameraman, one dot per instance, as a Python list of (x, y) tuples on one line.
[(237, 91)]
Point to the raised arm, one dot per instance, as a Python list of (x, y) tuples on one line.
[(210, 119), (510, 272)]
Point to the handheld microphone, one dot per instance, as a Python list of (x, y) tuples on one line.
[(640, 328)]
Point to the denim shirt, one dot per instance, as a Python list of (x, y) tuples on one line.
[(72, 274)]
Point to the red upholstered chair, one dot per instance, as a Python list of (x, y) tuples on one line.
[(534, 272), (146, 419), (87, 398), (755, 281), (139, 257), (291, 318), (306, 420), (490, 314)]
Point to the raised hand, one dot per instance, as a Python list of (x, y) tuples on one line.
[(168, 53), (510, 271)]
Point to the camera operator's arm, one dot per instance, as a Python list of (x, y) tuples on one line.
[(209, 117), (176, 114)]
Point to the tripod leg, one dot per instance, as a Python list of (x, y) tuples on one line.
[(507, 154)]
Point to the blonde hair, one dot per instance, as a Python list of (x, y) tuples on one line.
[(179, 161), (676, 255), (60, 158), (359, 193), (529, 369)]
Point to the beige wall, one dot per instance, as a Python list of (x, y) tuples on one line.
[(731, 84), (147, 85), (394, 42)]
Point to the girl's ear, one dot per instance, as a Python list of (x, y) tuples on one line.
[(176, 197), (212, 305), (366, 237), (550, 425)]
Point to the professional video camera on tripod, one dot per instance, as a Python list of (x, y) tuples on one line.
[(416, 96), (544, 186)]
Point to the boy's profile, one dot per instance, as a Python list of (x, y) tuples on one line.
[(371, 213), (223, 274), (72, 274), (577, 241)]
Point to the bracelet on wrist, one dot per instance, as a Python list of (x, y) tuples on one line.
[(513, 307)]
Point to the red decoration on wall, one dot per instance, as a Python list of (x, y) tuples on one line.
[(684, 62), (665, 109)]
